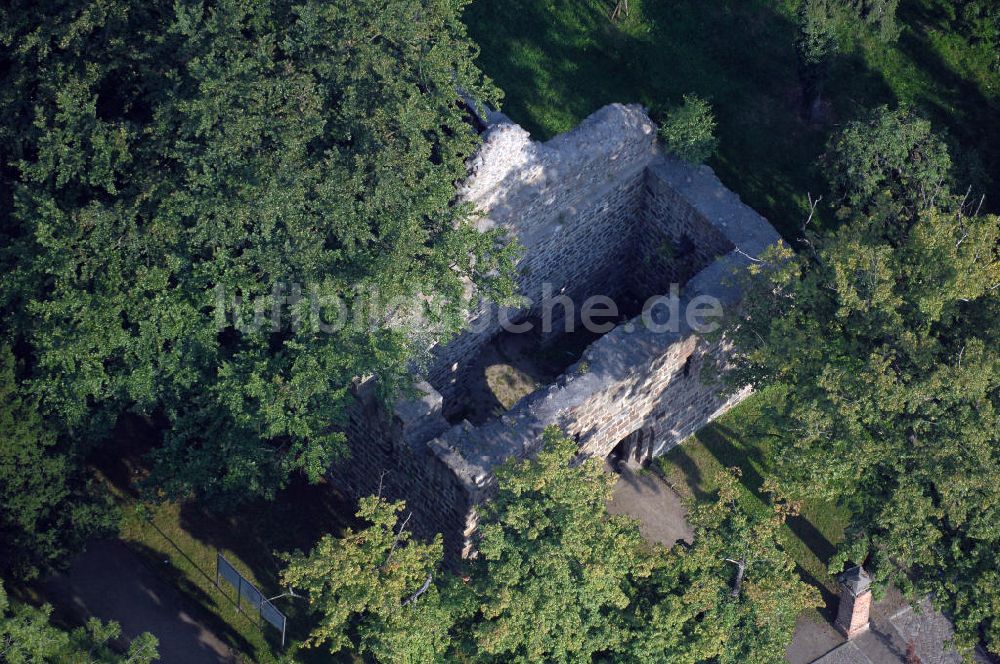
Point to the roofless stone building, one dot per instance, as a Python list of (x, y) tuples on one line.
[(600, 211)]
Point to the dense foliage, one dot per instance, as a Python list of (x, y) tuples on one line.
[(557, 579), (46, 510), (815, 44), (688, 130), (173, 172), (732, 596), (890, 158), (885, 333), (373, 589), (555, 572), (28, 637)]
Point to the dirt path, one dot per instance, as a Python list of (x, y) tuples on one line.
[(110, 582), (660, 511)]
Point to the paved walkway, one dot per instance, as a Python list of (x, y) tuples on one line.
[(644, 496), (110, 582)]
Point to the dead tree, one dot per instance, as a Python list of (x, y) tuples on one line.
[(621, 8), (741, 567)]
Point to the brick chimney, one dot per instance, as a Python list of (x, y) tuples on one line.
[(855, 602)]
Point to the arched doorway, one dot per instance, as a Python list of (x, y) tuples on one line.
[(634, 449)]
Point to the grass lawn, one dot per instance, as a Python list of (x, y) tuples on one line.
[(743, 439), (180, 540), (558, 61)]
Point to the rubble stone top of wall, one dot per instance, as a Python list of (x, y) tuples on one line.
[(509, 167)]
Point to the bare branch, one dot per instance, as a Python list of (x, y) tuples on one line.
[(746, 255), (288, 593), (741, 567), (395, 542), (413, 598), (813, 203)]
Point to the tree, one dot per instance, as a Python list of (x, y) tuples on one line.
[(374, 590), (558, 579), (815, 45), (171, 173), (824, 28), (688, 130), (885, 333), (733, 595), (46, 512), (880, 15), (891, 157), (27, 637), (555, 573)]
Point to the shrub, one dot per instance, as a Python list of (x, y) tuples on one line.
[(688, 130)]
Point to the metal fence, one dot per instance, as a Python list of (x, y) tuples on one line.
[(266, 612)]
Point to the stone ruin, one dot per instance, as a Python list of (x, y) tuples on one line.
[(599, 210)]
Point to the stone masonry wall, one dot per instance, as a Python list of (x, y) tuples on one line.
[(673, 238), (570, 202), (390, 457), (626, 200)]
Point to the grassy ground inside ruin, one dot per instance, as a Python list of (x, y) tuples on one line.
[(743, 439), (559, 61)]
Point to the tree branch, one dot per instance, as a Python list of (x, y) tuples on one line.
[(395, 542), (741, 567), (413, 598)]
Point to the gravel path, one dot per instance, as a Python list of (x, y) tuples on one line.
[(111, 582)]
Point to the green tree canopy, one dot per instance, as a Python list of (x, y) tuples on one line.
[(732, 596), (46, 512), (893, 158), (374, 589), (27, 637), (886, 334), (558, 579), (163, 157), (688, 130), (827, 26), (555, 572)]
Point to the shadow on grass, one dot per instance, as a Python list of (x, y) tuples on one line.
[(298, 516), (201, 599), (957, 105), (692, 473), (558, 62), (812, 537), (830, 600), (724, 444), (254, 531), (122, 458)]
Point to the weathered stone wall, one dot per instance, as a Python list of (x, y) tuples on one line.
[(592, 209), (674, 239), (571, 203), (390, 457)]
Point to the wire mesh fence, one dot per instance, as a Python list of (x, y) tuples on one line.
[(246, 591)]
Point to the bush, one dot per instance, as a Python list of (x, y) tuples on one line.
[(688, 130)]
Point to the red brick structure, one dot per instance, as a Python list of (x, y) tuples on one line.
[(855, 602)]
